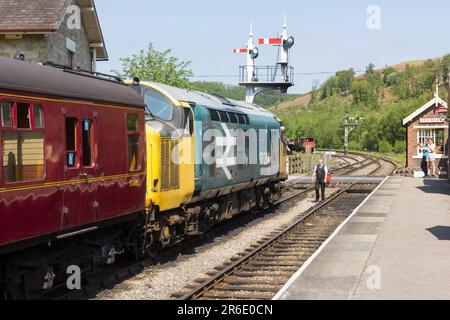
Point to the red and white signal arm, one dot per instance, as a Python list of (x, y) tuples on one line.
[(271, 41), (240, 50)]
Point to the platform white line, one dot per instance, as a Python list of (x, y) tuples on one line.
[(311, 259)]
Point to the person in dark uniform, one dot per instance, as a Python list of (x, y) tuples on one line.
[(319, 177)]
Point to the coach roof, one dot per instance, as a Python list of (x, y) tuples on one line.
[(34, 78)]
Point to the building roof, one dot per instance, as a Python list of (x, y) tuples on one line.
[(46, 16), (21, 76), (435, 101)]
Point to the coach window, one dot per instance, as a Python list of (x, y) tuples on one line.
[(6, 113), (23, 151), (23, 116), (71, 142), (133, 142), (37, 117), (86, 139)]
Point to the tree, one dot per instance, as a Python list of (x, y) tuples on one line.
[(345, 80), (153, 65), (370, 69), (385, 147), (363, 92)]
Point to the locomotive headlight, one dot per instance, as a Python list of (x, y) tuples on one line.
[(254, 53), (289, 43)]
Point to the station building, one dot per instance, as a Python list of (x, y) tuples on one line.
[(65, 32), (429, 121)]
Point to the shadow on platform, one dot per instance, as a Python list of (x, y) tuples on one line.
[(440, 232), (435, 186)]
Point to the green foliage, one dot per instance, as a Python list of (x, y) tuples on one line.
[(152, 65), (383, 98), (385, 147), (340, 83), (363, 92), (354, 145), (400, 147)]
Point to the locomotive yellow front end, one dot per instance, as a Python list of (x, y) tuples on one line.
[(170, 161)]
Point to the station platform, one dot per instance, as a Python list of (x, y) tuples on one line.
[(395, 246)]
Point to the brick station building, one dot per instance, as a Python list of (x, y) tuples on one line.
[(52, 30), (429, 121)]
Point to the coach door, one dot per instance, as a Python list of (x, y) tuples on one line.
[(89, 183), (72, 170), (80, 188)]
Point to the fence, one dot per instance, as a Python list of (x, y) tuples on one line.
[(300, 164)]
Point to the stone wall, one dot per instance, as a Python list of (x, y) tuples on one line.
[(50, 47)]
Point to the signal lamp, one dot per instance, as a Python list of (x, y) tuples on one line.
[(254, 53), (289, 43)]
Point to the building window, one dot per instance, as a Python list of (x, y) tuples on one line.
[(133, 142), (438, 137), (71, 142), (440, 142)]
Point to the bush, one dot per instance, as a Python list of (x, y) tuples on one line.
[(400, 147), (353, 145), (385, 147)]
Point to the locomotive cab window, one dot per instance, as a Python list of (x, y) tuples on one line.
[(188, 122), (133, 143), (158, 105)]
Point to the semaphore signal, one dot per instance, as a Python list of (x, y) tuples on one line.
[(270, 41), (258, 79)]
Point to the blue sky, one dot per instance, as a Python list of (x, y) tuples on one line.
[(330, 35)]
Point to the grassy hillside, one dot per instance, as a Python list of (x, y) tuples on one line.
[(385, 97)]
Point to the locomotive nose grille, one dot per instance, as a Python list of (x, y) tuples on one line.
[(170, 175)]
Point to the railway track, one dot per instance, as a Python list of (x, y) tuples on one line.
[(260, 272), (122, 271)]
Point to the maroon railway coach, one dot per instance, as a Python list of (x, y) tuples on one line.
[(72, 159)]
